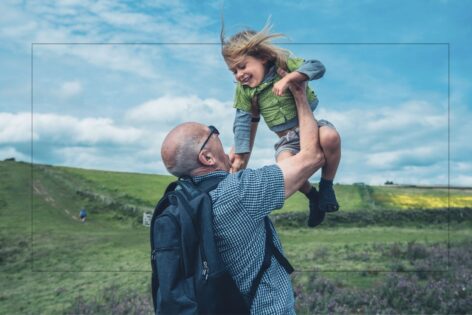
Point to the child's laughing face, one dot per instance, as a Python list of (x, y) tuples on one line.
[(249, 71)]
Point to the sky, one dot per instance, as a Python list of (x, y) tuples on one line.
[(98, 84)]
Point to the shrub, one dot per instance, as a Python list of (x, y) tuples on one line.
[(416, 251), (112, 301), (415, 217), (425, 291)]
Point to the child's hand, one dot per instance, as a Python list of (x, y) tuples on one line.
[(237, 163), (295, 86), (281, 86)]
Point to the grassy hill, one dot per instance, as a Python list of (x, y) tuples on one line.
[(51, 263)]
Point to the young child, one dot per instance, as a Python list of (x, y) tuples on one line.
[(254, 61)]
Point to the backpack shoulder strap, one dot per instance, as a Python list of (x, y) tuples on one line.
[(275, 251), (210, 183), (255, 111), (191, 190), (270, 249), (164, 201), (265, 265), (205, 185)]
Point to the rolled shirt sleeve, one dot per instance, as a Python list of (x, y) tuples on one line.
[(313, 69), (242, 131), (262, 190)]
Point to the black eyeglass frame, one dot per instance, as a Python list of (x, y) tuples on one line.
[(213, 130)]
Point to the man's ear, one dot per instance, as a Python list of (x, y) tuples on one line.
[(206, 158)]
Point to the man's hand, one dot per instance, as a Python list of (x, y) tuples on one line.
[(231, 155), (238, 163)]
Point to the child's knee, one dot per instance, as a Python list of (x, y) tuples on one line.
[(284, 154), (329, 138)]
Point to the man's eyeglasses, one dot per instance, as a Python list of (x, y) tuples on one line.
[(213, 130)]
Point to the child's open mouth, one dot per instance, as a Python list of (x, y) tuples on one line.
[(245, 80)]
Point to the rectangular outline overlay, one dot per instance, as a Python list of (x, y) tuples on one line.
[(213, 44)]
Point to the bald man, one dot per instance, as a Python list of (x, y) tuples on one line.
[(242, 200)]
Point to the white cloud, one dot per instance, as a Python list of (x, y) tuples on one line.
[(70, 88), (15, 127), (397, 158), (180, 108), (107, 22), (412, 114), (124, 58), (461, 173), (63, 129), (11, 152), (405, 117), (406, 143), (119, 158), (372, 152), (88, 131), (462, 180), (166, 112)]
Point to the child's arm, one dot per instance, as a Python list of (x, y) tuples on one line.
[(240, 160), (243, 139), (242, 119), (282, 85), (244, 128), (309, 70), (313, 69)]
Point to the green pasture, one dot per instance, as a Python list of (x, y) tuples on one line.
[(49, 259), (147, 188)]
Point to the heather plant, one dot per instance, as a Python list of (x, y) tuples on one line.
[(113, 300), (426, 290), (416, 251)]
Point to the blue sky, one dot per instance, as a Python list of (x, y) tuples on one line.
[(110, 78)]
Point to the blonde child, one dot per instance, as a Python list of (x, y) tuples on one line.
[(256, 63)]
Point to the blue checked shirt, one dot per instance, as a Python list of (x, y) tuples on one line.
[(240, 203)]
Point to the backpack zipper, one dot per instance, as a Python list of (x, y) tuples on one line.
[(153, 254), (205, 270)]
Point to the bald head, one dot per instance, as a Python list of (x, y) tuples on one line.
[(181, 147)]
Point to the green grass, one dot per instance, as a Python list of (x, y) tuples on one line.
[(354, 249), (148, 188), (143, 187), (349, 197), (48, 258)]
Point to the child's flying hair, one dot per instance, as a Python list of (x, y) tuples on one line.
[(254, 44)]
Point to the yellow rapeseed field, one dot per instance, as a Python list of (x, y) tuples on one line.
[(404, 201)]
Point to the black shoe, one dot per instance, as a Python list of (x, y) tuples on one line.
[(316, 215), (327, 199)]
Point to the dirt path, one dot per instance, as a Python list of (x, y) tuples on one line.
[(40, 190)]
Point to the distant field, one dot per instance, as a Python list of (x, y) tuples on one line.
[(51, 263), (148, 188), (418, 198)]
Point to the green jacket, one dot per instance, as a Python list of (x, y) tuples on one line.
[(276, 110)]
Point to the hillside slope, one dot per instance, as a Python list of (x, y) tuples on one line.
[(48, 257), (51, 263)]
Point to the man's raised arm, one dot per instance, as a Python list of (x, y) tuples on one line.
[(298, 168)]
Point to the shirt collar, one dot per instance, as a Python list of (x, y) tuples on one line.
[(270, 75), (199, 178)]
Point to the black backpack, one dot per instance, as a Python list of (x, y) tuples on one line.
[(188, 275)]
